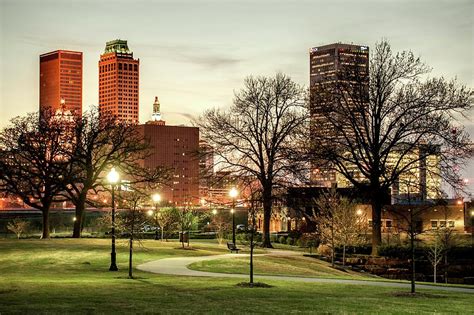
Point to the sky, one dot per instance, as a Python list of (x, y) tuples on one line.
[(195, 54)]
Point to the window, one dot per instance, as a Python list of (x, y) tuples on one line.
[(442, 223), (434, 224), (451, 224), (388, 223)]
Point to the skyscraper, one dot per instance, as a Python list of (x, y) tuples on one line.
[(61, 81), (333, 65), (118, 82)]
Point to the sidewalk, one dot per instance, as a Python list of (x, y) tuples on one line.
[(178, 266)]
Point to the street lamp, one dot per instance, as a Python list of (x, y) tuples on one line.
[(156, 200), (113, 178), (233, 194)]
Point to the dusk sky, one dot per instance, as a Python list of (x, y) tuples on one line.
[(194, 54)]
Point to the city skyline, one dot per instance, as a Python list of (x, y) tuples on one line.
[(192, 65)]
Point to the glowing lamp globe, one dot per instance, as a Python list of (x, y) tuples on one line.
[(156, 198), (113, 176), (233, 193)]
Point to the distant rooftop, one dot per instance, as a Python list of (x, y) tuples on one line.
[(117, 46)]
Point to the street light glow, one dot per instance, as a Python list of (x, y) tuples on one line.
[(359, 212), (156, 198), (214, 211), (150, 212), (113, 176), (233, 192)]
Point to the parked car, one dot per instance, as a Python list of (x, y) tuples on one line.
[(240, 227), (149, 228)]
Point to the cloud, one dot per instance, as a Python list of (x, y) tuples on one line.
[(186, 115), (206, 57), (60, 42)]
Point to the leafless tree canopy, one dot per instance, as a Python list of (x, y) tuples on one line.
[(256, 136), (33, 159), (375, 124), (101, 143)]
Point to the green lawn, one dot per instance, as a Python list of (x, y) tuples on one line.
[(278, 265), (64, 276)]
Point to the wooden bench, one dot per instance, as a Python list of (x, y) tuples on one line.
[(232, 247)]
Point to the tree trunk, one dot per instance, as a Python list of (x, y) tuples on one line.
[(251, 257), (267, 214), (376, 225), (80, 217), (412, 248), (446, 267), (344, 254), (130, 258), (45, 212), (162, 231)]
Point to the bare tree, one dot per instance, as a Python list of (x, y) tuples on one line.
[(435, 254), (338, 223), (187, 217), (18, 226), (220, 224), (446, 235), (167, 219), (133, 219), (256, 136), (100, 142), (385, 124), (34, 159)]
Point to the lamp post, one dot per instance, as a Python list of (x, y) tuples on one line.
[(113, 178), (156, 200), (233, 194), (472, 228)]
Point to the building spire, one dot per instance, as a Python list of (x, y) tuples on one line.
[(156, 116)]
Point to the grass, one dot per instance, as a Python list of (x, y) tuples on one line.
[(65, 276), (277, 265)]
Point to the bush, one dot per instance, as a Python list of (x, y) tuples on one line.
[(282, 240), (273, 238), (290, 241), (299, 243)]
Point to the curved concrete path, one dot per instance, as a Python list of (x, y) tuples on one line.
[(179, 266)]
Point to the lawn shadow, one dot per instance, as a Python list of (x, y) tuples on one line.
[(417, 295)]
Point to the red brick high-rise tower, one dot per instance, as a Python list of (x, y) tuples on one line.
[(61, 81), (118, 82)]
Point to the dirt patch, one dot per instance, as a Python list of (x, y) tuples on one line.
[(253, 285), (417, 295)]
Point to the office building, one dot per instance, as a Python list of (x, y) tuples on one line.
[(333, 65), (61, 81), (119, 82), (175, 148)]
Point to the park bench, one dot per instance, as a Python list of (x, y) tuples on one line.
[(232, 247)]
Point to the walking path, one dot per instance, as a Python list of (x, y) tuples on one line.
[(179, 266)]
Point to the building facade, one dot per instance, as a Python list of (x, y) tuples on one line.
[(330, 65), (119, 82), (61, 81), (175, 148)]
